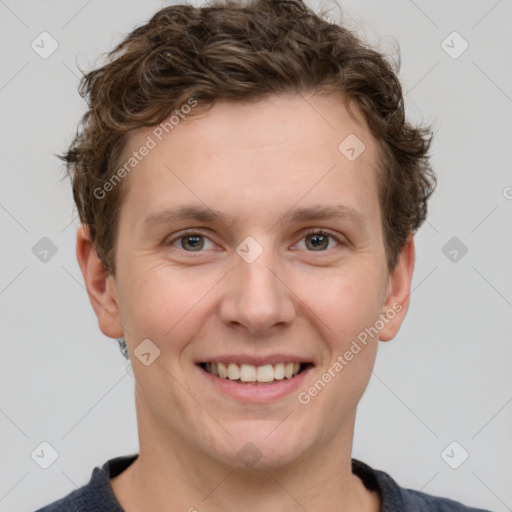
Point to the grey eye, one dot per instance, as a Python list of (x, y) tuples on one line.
[(192, 242), (317, 241)]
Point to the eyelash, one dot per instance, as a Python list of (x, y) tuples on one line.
[(309, 232), (322, 232)]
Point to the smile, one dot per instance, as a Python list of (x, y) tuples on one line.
[(255, 379), (251, 374)]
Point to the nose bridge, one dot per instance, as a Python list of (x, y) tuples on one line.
[(258, 299)]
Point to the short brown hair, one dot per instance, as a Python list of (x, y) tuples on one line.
[(242, 52)]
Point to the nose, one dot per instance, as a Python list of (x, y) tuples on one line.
[(257, 298)]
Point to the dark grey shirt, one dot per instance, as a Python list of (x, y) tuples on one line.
[(97, 495)]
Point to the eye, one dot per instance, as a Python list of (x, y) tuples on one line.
[(191, 241), (318, 240)]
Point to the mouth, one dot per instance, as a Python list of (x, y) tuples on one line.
[(248, 374)]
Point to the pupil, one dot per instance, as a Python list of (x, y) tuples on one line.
[(318, 241), (194, 242)]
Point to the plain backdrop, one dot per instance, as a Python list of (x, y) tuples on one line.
[(445, 379)]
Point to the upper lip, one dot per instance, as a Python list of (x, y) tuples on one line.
[(255, 360)]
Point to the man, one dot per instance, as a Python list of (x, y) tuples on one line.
[(248, 189)]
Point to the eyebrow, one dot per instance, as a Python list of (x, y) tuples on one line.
[(204, 214), (322, 212)]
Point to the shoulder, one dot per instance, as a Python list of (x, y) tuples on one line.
[(395, 498), (80, 499), (74, 502), (97, 495), (422, 502)]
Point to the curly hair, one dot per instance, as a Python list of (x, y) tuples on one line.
[(241, 53)]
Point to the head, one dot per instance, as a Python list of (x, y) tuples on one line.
[(282, 141)]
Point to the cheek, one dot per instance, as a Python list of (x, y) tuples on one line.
[(344, 302), (349, 305), (162, 304)]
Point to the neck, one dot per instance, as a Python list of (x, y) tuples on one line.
[(169, 474)]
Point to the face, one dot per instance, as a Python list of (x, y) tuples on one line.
[(246, 236)]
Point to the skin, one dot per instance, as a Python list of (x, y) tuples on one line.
[(254, 163)]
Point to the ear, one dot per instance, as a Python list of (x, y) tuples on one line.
[(99, 284), (398, 292)]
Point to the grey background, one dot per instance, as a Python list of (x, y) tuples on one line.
[(446, 377)]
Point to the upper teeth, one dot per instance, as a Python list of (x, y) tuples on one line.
[(251, 373)]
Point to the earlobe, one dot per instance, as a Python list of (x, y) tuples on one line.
[(100, 286), (399, 288)]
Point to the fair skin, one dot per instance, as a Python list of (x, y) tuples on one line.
[(256, 164)]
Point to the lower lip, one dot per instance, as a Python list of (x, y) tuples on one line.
[(256, 393)]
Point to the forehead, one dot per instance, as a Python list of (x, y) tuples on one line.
[(267, 154)]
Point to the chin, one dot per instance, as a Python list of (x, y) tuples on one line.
[(261, 450)]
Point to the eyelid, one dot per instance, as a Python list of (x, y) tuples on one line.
[(324, 232), (187, 232), (309, 231)]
